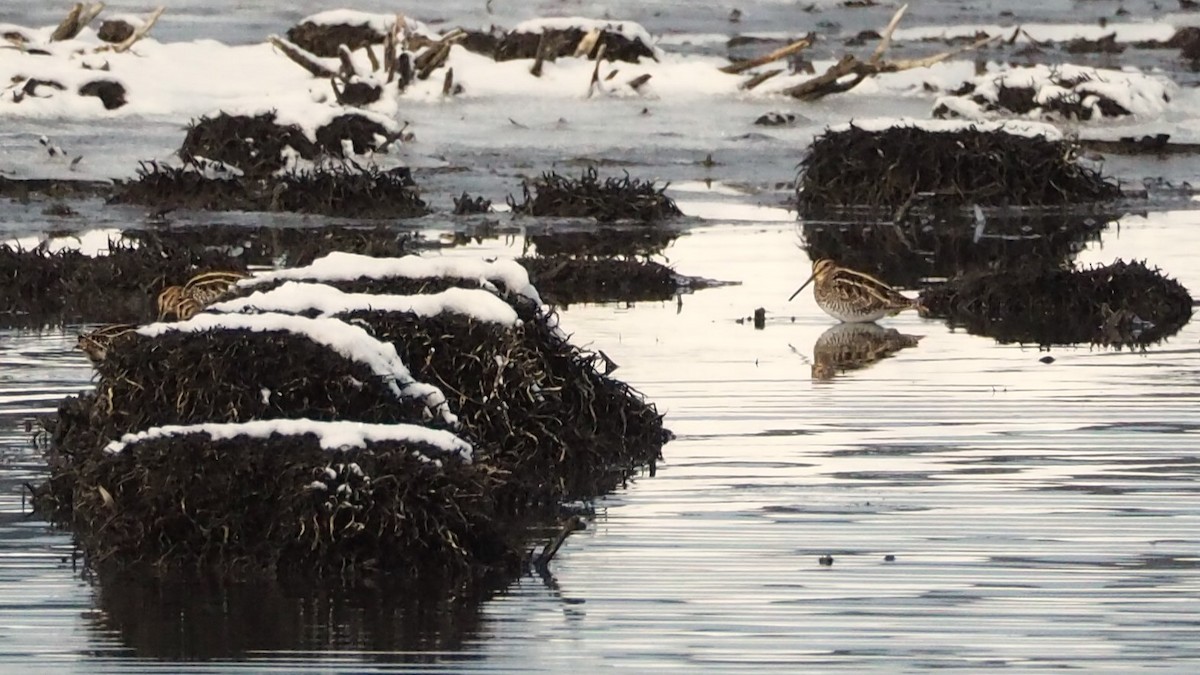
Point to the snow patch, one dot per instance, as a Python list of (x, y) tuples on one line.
[(332, 435), (1017, 128), (340, 266), (1144, 96), (1042, 32), (626, 29), (380, 23), (296, 297)]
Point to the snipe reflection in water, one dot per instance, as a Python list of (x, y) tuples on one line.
[(852, 346)]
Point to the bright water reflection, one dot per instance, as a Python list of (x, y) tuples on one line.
[(1040, 515)]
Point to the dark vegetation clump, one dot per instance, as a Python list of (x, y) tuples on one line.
[(589, 197), (604, 264), (945, 245), (269, 245), (364, 135), (547, 426), (351, 192), (891, 168), (1103, 45), (388, 286), (220, 376), (165, 187), (556, 43), (257, 145), (323, 39), (566, 281), (24, 189), (561, 429), (39, 287), (482, 41), (254, 144), (602, 242), (357, 91), (252, 506), (348, 192), (1068, 104), (1187, 40), (110, 92), (776, 119), (467, 205), (1122, 304), (217, 148), (114, 30)]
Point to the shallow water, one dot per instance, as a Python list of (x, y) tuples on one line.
[(1040, 515)]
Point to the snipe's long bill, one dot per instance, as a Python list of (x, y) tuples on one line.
[(852, 296)]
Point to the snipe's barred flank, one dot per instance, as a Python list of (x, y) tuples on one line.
[(184, 302), (852, 296)]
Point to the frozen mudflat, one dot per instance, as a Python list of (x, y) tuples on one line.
[(1039, 514)]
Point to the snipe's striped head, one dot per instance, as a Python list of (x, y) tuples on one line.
[(96, 343), (820, 270)]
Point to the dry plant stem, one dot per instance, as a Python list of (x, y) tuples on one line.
[(392, 46), (140, 32), (1034, 41), (551, 549), (389, 55), (637, 82), (79, 16), (909, 64), (885, 40), (300, 57), (454, 36), (536, 69), (759, 79), (588, 42), (595, 82), (781, 53), (432, 58), (437, 51), (448, 82), (347, 69), (69, 27), (827, 82), (400, 30), (831, 81)]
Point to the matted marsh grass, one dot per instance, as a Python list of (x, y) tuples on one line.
[(887, 169), (547, 427)]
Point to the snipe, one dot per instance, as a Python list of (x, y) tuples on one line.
[(852, 296), (97, 343)]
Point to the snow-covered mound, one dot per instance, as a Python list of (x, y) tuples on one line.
[(1064, 92)]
